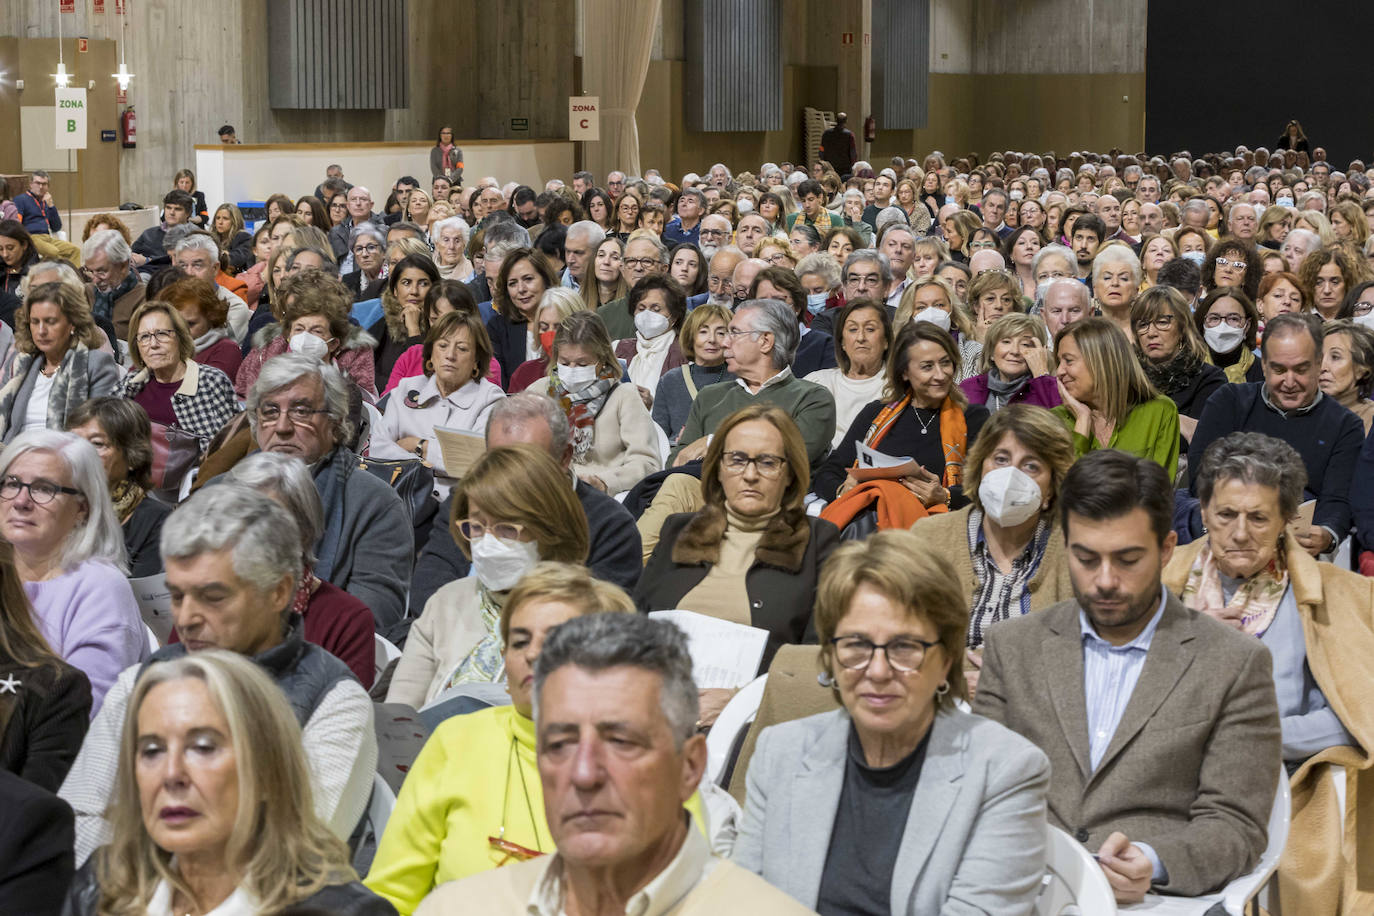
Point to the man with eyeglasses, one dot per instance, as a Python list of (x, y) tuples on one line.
[(198, 255), (615, 184), (643, 257), (714, 233), (743, 277), (37, 211), (866, 275), (115, 286), (359, 211)]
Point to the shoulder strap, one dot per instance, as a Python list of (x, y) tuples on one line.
[(689, 381)]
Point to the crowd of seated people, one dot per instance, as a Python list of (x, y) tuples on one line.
[(1040, 487)]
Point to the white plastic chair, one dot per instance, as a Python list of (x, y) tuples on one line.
[(153, 643), (379, 807), (384, 651), (737, 716), (1074, 884), (1235, 895), (663, 445)]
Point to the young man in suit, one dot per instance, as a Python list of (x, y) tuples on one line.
[(1160, 723)]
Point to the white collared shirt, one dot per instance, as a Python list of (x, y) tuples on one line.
[(778, 379)]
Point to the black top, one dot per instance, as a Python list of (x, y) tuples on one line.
[(42, 721), (1286, 142), (870, 822), (36, 860), (1192, 397), (904, 437), (143, 536), (387, 351)]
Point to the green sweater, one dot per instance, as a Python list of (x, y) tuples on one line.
[(810, 405), (1150, 431), (616, 316)]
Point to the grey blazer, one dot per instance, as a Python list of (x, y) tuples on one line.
[(1194, 762), (975, 839), (102, 379)]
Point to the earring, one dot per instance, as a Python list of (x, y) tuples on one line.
[(825, 680), (942, 689)]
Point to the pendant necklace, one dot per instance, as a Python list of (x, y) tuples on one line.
[(925, 426)]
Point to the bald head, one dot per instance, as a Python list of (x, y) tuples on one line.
[(986, 259), (745, 272)]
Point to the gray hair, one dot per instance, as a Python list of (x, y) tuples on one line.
[(867, 254), (98, 536), (1195, 205), (779, 319), (261, 533), (593, 233), (1117, 254), (1311, 241), (369, 229), (599, 642), (109, 243), (287, 479), (503, 237), (659, 247), (66, 273), (1256, 459), (519, 409), (1079, 290), (199, 241), (286, 368), (453, 222), (889, 215), (1054, 251), (822, 265), (1237, 205)]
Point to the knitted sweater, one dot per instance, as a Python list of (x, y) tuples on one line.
[(810, 405)]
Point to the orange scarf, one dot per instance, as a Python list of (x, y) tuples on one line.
[(953, 435)]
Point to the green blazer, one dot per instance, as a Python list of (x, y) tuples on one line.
[(1150, 431)]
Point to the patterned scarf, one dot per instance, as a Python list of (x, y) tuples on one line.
[(1175, 373), (1001, 391), (71, 386), (126, 496), (485, 663), (1253, 606), (583, 406), (953, 435), (304, 592)]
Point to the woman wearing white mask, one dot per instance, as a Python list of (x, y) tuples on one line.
[(614, 442), (1005, 547), (1348, 367), (451, 394), (933, 299), (513, 509), (658, 304), (1172, 353), (1229, 324)]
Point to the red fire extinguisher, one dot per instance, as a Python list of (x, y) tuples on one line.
[(870, 129), (128, 128)]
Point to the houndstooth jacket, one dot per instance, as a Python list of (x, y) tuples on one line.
[(202, 405)]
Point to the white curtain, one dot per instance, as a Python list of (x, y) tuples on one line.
[(617, 41)]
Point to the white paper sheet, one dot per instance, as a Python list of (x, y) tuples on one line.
[(874, 465), (155, 604), (724, 654)]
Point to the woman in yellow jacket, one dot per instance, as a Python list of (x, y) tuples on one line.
[(473, 800)]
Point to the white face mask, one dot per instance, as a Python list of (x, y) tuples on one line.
[(1197, 257), (1223, 338), (499, 563), (576, 377), (1284, 202), (309, 345), (1017, 195), (1009, 496), (744, 206), (650, 324), (936, 316), (1366, 321)]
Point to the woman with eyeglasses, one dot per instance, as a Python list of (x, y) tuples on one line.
[(1228, 323), (834, 801), (174, 389), (1173, 354), (1232, 262), (751, 555)]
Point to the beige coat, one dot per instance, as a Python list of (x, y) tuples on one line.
[(624, 440), (449, 629), (1319, 875)]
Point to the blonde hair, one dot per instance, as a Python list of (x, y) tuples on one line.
[(523, 485), (1013, 324), (687, 337), (1318, 223), (906, 307), (71, 301), (277, 844), (569, 583), (1119, 383), (773, 241), (793, 449), (1354, 216), (186, 344)]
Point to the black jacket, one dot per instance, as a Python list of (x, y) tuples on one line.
[(1191, 398), (781, 583), (508, 339), (143, 537), (353, 280), (37, 835), (240, 250), (45, 720)]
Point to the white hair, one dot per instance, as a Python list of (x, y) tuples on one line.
[(1117, 254), (262, 536), (1055, 251), (452, 222), (197, 241), (594, 234), (109, 243)]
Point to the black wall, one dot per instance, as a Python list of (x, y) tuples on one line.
[(1227, 73)]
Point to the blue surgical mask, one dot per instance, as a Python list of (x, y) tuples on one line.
[(815, 302), (1284, 202), (1197, 257)]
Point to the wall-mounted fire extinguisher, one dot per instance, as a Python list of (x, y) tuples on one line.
[(870, 129), (128, 128)]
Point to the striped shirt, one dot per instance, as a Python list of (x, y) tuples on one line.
[(1109, 678), (998, 595)]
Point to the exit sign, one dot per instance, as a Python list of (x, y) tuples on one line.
[(519, 123)]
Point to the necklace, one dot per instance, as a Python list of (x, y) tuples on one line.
[(499, 842), (925, 425)]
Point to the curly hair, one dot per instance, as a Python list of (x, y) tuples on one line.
[(70, 301)]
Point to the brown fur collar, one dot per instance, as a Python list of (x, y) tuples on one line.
[(783, 543)]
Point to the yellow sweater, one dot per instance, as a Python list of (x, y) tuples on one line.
[(452, 801)]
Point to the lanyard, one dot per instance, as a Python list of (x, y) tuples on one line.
[(42, 210)]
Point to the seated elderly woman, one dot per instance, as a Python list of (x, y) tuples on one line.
[(1116, 281), (462, 810), (614, 443), (122, 436), (659, 306), (48, 708), (212, 806), (175, 390), (314, 310), (992, 294), (1248, 572), (850, 811), (57, 363), (819, 274), (702, 343), (55, 509), (1108, 401), (1173, 354), (923, 414), (861, 346), (1017, 366), (334, 620), (1347, 373), (205, 315), (450, 236), (751, 555), (1013, 562), (513, 509), (451, 394)]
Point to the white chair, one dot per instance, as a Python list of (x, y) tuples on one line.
[(1074, 884), (379, 807), (153, 643), (1235, 895), (663, 445), (384, 652), (374, 421), (734, 719)]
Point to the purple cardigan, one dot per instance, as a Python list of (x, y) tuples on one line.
[(1043, 391), (90, 618)]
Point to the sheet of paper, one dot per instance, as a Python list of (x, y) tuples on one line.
[(460, 449), (155, 604), (874, 465), (400, 735), (724, 654), (1303, 520)]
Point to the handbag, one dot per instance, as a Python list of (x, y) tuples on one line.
[(176, 453), (413, 481)]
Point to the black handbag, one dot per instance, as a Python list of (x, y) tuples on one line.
[(413, 481)]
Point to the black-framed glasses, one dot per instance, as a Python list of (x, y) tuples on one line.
[(767, 465), (161, 335), (905, 653), (1235, 321), (300, 414), (367, 249), (640, 263), (41, 491)]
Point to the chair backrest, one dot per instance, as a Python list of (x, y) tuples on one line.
[(1242, 890), (374, 421), (153, 643), (1074, 884), (384, 651), (733, 719), (379, 807), (791, 692), (664, 446)]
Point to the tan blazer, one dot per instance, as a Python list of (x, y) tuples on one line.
[(1320, 874), (1195, 761)]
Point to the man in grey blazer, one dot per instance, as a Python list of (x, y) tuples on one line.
[(1160, 723)]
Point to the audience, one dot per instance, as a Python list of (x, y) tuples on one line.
[(860, 373), (702, 342)]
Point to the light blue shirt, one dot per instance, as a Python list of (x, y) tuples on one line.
[(569, 281), (1110, 674)]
